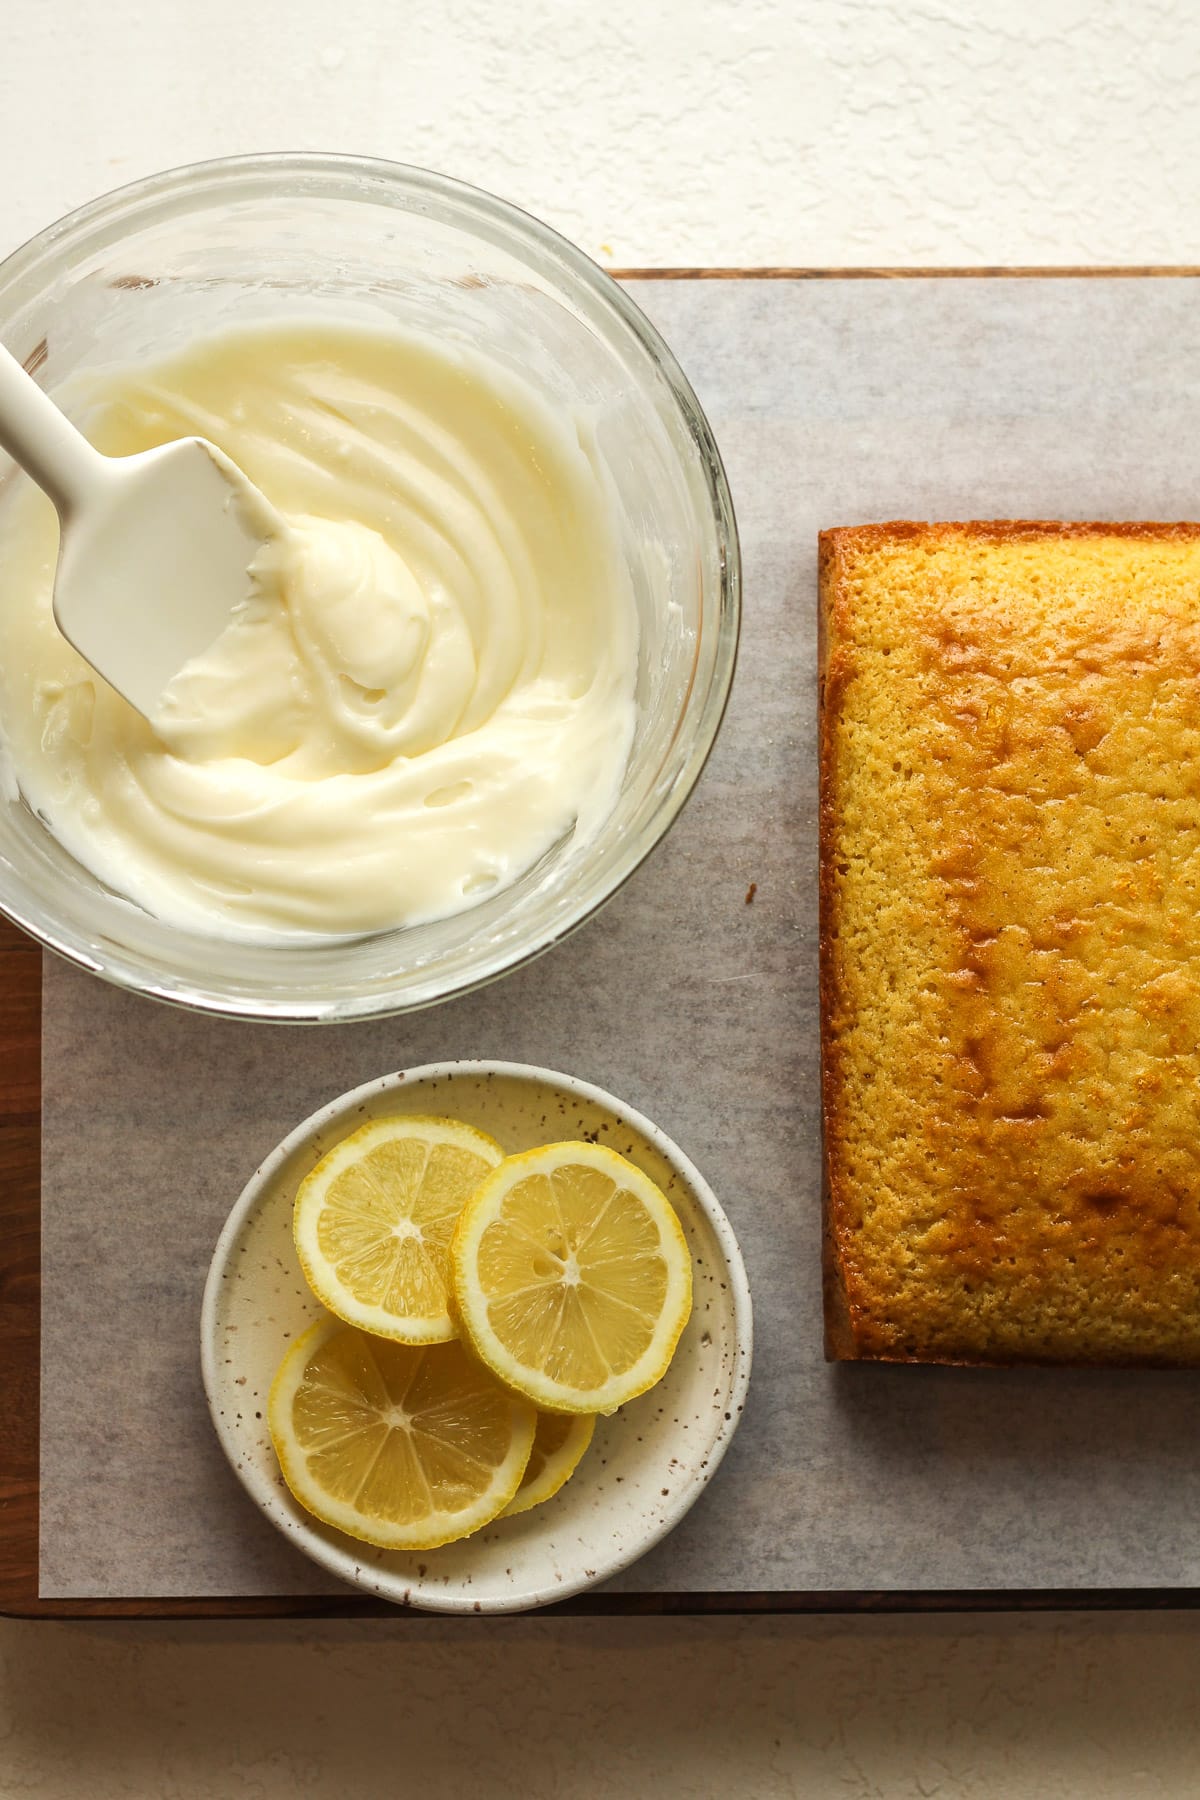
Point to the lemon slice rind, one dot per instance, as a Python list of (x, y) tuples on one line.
[(558, 1465)]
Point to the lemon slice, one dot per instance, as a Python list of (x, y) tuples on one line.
[(400, 1445), (572, 1277), (374, 1219), (558, 1446)]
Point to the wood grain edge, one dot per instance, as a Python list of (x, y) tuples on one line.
[(816, 1601), (990, 272), (20, 1264)]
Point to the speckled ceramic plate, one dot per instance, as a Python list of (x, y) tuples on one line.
[(647, 1464)]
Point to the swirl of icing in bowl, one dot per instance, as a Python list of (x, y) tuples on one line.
[(431, 683)]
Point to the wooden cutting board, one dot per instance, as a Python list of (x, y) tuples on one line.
[(21, 1407)]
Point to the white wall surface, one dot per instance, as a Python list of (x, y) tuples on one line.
[(653, 132)]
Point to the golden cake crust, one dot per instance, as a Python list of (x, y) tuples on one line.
[(1010, 941)]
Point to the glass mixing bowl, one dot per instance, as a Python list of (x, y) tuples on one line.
[(250, 239)]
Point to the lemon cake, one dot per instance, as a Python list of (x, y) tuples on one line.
[(1010, 942)]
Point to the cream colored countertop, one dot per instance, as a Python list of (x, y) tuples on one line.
[(999, 1709), (747, 131)]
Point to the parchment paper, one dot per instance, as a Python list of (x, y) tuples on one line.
[(835, 402)]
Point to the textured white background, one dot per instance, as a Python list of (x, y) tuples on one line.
[(836, 132), (653, 131)]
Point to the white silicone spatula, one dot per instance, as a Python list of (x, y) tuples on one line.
[(154, 549)]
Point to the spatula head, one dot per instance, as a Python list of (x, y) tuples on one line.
[(154, 561)]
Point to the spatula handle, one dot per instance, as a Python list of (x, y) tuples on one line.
[(45, 443)]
